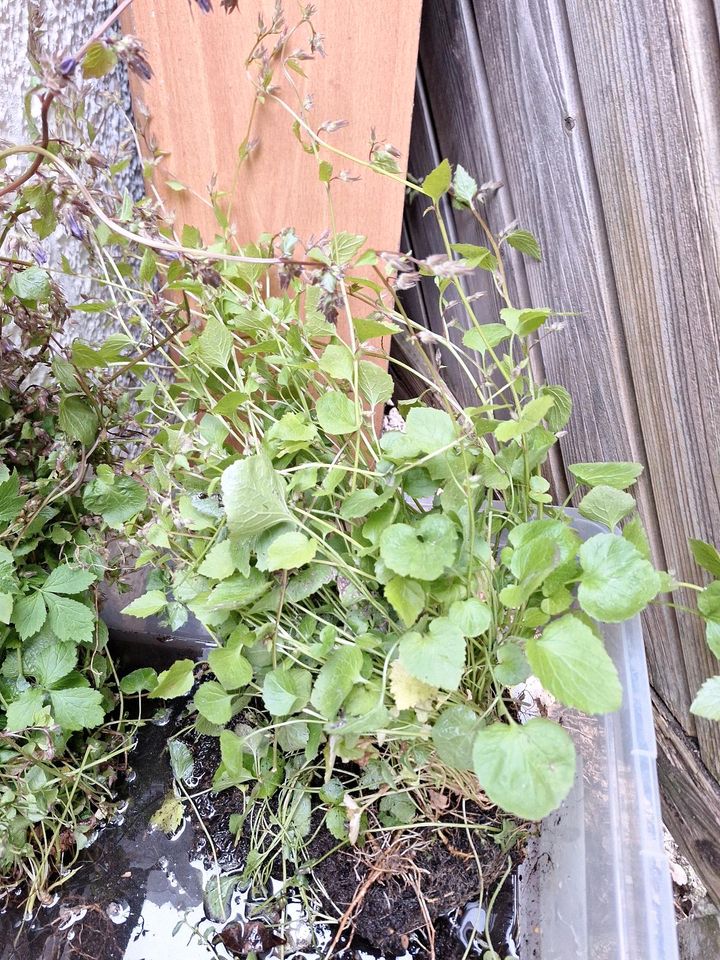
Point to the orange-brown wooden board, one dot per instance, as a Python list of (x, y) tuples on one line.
[(197, 109)]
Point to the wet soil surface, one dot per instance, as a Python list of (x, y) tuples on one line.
[(140, 895)]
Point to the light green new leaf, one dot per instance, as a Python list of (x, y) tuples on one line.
[(486, 337), (477, 256), (406, 597), (524, 321), (606, 505), (78, 420), (336, 413), (219, 562), (214, 703), (530, 416), (375, 384), (230, 667), (525, 242), (429, 429), (464, 186), (232, 753), (337, 362), (176, 681), (559, 414), (253, 495), (707, 702), (145, 678), (436, 657), (706, 556), (292, 432), (290, 550), (51, 662), (23, 712), (116, 503), (214, 345), (286, 690), (29, 614), (526, 769), (470, 616), (77, 708), (437, 182), (368, 328), (453, 735), (69, 619), (68, 579), (571, 662), (616, 581), (360, 503), (620, 475), (99, 60), (337, 677), (235, 592), (145, 606), (421, 551)]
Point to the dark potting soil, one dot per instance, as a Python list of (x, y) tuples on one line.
[(141, 895)]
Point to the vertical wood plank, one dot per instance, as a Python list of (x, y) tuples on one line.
[(505, 101), (650, 75), (200, 102)]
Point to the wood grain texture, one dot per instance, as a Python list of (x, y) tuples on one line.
[(690, 798), (650, 75), (504, 100), (200, 101)]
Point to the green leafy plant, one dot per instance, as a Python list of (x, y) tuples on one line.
[(60, 751), (373, 599)]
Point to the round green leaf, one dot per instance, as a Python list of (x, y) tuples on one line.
[(470, 616), (453, 734), (616, 581), (572, 664), (436, 657), (145, 678), (606, 505), (214, 703), (421, 551), (336, 413), (290, 550), (230, 667), (526, 769)]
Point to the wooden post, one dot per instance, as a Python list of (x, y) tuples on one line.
[(198, 106)]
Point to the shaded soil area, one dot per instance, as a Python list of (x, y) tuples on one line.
[(399, 884), (141, 895)]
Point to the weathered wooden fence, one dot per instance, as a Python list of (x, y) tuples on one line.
[(602, 121)]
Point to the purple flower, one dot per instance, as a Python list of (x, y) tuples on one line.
[(67, 66), (73, 226), (39, 255)]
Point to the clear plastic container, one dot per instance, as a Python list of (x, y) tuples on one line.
[(596, 881)]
